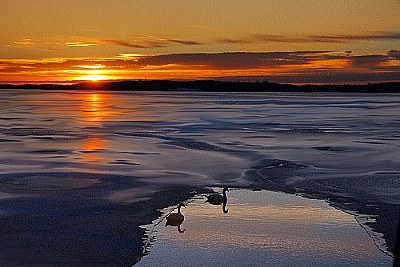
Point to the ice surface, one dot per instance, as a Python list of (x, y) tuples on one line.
[(85, 169)]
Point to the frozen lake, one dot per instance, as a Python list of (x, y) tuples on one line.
[(85, 175)]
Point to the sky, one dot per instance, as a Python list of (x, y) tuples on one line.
[(302, 41)]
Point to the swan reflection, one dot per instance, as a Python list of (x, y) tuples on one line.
[(176, 219), (218, 199)]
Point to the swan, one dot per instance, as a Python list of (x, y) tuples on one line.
[(218, 199), (176, 219)]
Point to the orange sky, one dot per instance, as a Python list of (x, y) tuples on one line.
[(284, 41)]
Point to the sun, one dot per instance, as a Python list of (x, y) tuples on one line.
[(94, 78)]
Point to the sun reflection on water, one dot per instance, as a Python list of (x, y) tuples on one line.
[(91, 147), (94, 112), (94, 108)]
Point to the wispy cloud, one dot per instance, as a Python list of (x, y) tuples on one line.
[(125, 43), (184, 42), (359, 37), (26, 41), (141, 42), (150, 42), (80, 44), (268, 38)]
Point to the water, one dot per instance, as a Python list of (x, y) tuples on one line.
[(82, 172), (263, 229)]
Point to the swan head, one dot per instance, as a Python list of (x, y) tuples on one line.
[(226, 189), (179, 207)]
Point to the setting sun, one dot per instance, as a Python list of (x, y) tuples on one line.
[(94, 78)]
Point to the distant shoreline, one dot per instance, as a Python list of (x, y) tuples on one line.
[(211, 86)]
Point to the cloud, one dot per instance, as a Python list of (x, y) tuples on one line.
[(268, 38), (394, 54), (150, 42), (369, 60), (264, 38), (184, 42), (80, 44), (26, 41), (234, 41), (286, 39), (126, 44), (234, 60), (360, 37), (214, 61), (60, 42), (296, 66)]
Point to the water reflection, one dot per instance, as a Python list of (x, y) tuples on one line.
[(94, 111), (94, 108), (266, 228), (218, 199), (90, 146), (176, 219)]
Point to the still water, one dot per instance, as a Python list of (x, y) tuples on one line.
[(87, 178), (262, 229)]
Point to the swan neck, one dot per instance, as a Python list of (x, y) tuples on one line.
[(224, 209)]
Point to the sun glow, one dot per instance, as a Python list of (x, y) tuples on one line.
[(94, 78)]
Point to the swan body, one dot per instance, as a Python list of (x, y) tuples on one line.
[(217, 199), (176, 219)]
